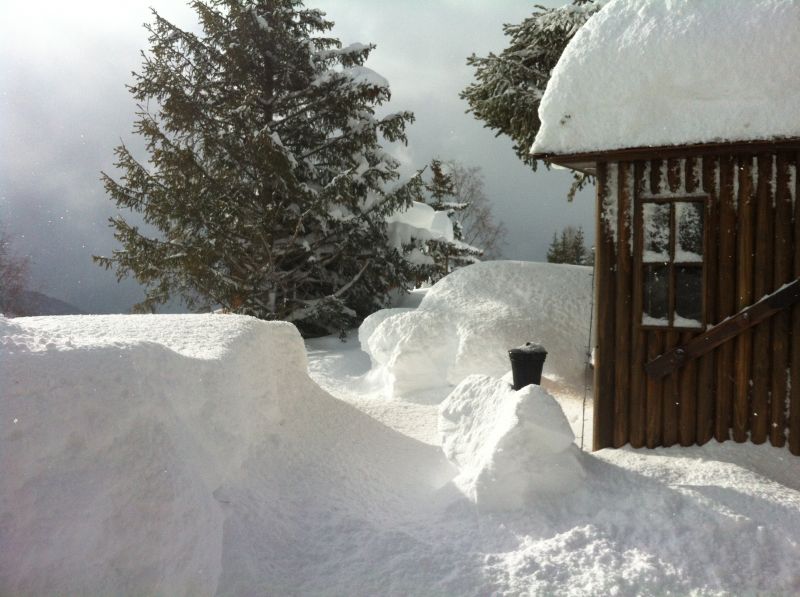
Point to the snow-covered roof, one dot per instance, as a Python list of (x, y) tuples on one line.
[(655, 73)]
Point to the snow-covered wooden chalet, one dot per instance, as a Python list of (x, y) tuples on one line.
[(688, 114)]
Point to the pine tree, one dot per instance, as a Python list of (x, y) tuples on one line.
[(568, 247), (577, 248), (555, 252), (266, 180), (448, 255), (440, 187), (510, 85)]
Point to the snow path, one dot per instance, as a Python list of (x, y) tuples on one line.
[(343, 370), (714, 520)]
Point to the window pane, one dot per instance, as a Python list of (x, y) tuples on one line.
[(689, 226), (656, 232), (656, 295), (688, 296)]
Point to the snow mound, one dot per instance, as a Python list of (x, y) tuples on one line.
[(154, 455), (468, 320), (509, 446), (673, 72)]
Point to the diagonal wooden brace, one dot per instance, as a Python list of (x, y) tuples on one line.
[(783, 298)]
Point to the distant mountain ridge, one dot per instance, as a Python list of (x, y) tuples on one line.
[(36, 303)]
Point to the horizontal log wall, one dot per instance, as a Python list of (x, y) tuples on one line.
[(743, 389)]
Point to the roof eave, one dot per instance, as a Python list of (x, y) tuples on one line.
[(587, 161)]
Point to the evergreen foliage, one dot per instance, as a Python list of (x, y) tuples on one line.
[(440, 193), (510, 85), (569, 247), (266, 180)]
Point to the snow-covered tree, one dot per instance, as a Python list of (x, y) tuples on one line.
[(448, 253), (13, 278), (265, 182), (510, 85)]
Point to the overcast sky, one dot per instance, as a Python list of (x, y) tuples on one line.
[(64, 107)]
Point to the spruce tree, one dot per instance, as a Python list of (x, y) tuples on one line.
[(555, 253), (509, 86), (568, 247), (577, 248), (440, 193), (265, 180)]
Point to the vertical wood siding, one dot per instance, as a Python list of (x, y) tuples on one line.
[(748, 388)]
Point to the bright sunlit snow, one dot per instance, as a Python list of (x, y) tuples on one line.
[(194, 455), (672, 72), (468, 321)]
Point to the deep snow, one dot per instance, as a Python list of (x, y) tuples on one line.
[(645, 73), (467, 322), (195, 455)]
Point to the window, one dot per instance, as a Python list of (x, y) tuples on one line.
[(672, 262)]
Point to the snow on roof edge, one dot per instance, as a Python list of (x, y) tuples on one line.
[(657, 73)]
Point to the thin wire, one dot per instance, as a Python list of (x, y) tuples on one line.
[(588, 359)]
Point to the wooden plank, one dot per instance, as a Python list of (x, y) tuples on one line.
[(655, 177), (674, 175), (654, 389), (638, 406), (705, 368), (605, 288), (655, 343), (794, 397), (726, 296), (762, 285), (671, 398), (732, 327), (745, 244), (687, 413), (623, 304), (782, 321), (586, 160)]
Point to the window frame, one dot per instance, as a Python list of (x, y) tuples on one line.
[(672, 265)]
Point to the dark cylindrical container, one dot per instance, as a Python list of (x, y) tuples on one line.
[(527, 362)]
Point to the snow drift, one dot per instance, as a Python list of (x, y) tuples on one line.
[(468, 320), (671, 72), (509, 446), (178, 455), (193, 455)]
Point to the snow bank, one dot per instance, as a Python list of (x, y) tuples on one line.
[(468, 320), (192, 455), (175, 455), (671, 72), (509, 446), (721, 519)]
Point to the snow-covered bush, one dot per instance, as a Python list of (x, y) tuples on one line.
[(467, 322)]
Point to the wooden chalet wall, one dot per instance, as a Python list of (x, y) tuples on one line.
[(748, 388)]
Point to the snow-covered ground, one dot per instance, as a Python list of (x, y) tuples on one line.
[(195, 455)]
